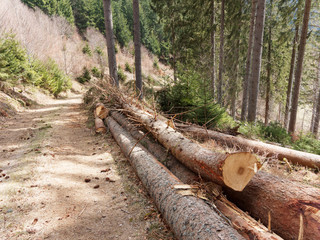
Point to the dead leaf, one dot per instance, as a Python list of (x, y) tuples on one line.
[(34, 221), (109, 180)]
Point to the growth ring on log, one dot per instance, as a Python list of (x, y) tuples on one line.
[(238, 169)]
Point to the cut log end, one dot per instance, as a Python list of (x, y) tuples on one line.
[(238, 169), (99, 125)]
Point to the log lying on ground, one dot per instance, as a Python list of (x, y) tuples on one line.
[(234, 170), (101, 111), (297, 157), (247, 226), (285, 200), (165, 157), (99, 125), (189, 217)]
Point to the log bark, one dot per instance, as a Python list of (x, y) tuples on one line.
[(297, 157), (99, 125), (163, 155), (228, 169), (247, 226), (285, 201), (189, 217)]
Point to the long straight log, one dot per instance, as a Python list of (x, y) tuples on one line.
[(165, 157), (234, 170), (286, 201), (298, 157), (247, 226), (189, 217)]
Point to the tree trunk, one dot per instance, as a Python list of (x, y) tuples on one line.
[(298, 72), (315, 124), (290, 80), (297, 157), (247, 226), (286, 201), (233, 170), (213, 31), (256, 61), (268, 90), (245, 93), (317, 117), (188, 217), (221, 58), (137, 48), (110, 42)]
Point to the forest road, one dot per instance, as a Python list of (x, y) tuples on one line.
[(59, 179)]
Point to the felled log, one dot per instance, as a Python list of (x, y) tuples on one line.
[(285, 201), (188, 217), (101, 111), (99, 125), (157, 150), (297, 157), (234, 170), (247, 226)]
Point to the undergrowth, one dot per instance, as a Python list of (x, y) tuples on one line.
[(16, 66), (274, 132)]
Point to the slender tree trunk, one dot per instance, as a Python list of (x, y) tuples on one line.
[(221, 67), (213, 48), (298, 72), (245, 95), (315, 97), (110, 42), (317, 117), (137, 47), (256, 61), (290, 80), (317, 114), (268, 90)]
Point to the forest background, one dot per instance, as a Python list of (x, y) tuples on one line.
[(206, 43)]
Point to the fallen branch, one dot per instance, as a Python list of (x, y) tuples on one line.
[(189, 217), (294, 156)]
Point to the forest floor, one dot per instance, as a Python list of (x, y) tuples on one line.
[(59, 180)]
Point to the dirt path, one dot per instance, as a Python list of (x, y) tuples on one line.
[(46, 155)]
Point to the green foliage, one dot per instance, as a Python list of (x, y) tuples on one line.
[(96, 72), (307, 143), (49, 76), (85, 76), (16, 66), (186, 100), (53, 7), (274, 132), (13, 60), (121, 76), (87, 50), (156, 64), (128, 68)]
